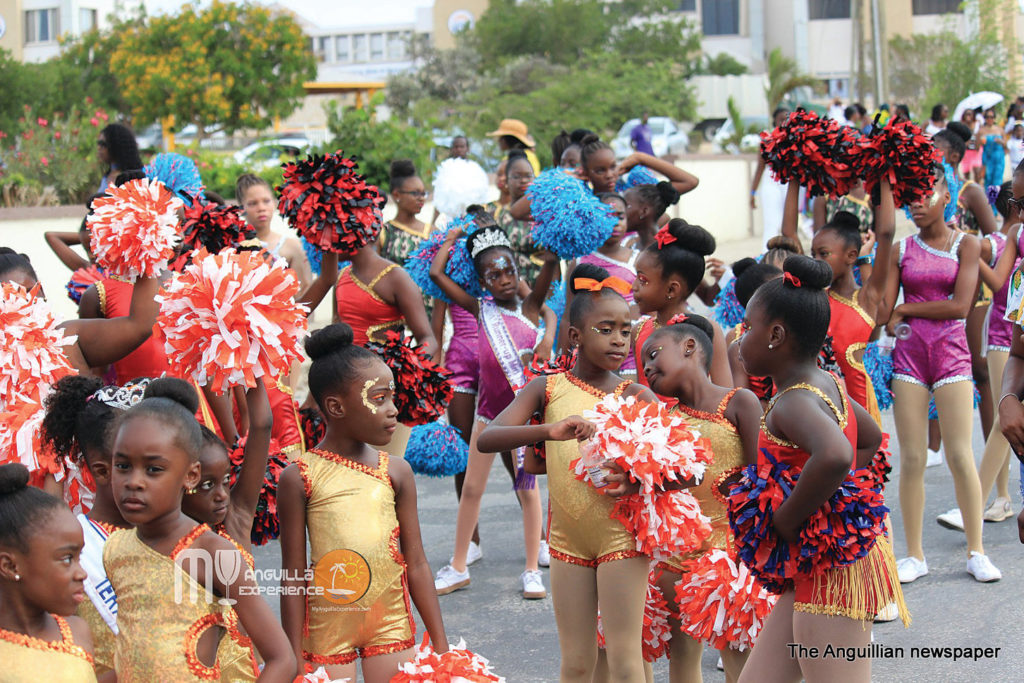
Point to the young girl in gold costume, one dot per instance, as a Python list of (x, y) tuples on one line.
[(592, 556), (359, 508), (41, 583)]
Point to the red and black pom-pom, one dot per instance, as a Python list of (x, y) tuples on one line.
[(330, 204), (265, 527), (817, 153), (423, 389), (902, 154), (214, 227), (313, 426), (552, 366)]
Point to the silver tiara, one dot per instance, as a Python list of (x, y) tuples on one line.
[(488, 239), (121, 398)]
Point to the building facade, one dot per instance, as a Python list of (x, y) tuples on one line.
[(31, 29)]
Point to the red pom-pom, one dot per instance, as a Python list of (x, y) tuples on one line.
[(666, 524), (458, 665), (214, 227), (21, 442), (423, 389), (902, 154), (31, 347), (721, 603), (329, 203), (313, 426), (817, 153), (229, 318), (135, 229)]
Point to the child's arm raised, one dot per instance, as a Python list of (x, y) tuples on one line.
[(104, 341), (421, 580), (409, 300), (873, 292), (60, 243), (446, 284), (510, 429), (328, 276), (791, 211), (680, 179), (253, 611), (245, 494), (295, 255), (535, 302), (291, 510)]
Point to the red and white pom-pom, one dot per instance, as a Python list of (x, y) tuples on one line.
[(79, 488), (665, 524), (31, 347), (721, 603), (230, 318), (458, 665), (321, 676), (652, 444), (21, 442), (656, 632), (135, 229)]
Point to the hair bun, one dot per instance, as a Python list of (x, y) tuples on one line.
[(517, 153), (811, 273), (13, 478), (586, 270), (402, 168), (740, 266), (960, 129), (327, 340), (694, 320), (692, 237), (589, 139), (845, 219), (668, 193), (174, 389)]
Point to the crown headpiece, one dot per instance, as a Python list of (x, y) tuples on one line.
[(486, 239)]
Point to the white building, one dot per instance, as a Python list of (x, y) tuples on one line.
[(30, 29)]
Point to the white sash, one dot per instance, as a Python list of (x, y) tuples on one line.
[(97, 586)]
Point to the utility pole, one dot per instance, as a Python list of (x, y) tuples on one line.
[(878, 37)]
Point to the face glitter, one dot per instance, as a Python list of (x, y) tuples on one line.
[(935, 198), (366, 399)]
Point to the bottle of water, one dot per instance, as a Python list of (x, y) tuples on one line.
[(903, 331)]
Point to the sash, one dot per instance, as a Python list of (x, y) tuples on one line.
[(492, 320), (97, 586)]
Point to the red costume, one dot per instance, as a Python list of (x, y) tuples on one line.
[(362, 308)]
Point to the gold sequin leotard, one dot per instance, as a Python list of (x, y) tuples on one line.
[(30, 660)]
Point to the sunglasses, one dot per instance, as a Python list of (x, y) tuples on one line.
[(101, 143), (1015, 204), (418, 194)]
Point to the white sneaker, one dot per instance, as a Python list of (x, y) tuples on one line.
[(999, 510), (888, 613), (533, 585), (544, 556), (448, 580), (473, 555), (911, 569), (720, 665), (982, 569), (934, 458), (951, 520)]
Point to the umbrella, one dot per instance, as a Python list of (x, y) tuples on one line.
[(978, 100)]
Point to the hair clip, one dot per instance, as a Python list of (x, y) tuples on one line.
[(663, 237), (992, 192), (614, 283), (678, 319), (792, 279)]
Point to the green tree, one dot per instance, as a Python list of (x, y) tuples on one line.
[(723, 64), (377, 143), (784, 76), (15, 83), (233, 65)]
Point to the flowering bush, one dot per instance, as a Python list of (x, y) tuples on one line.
[(53, 156)]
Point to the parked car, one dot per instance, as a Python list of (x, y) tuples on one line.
[(270, 152), (150, 138), (666, 137), (724, 140)]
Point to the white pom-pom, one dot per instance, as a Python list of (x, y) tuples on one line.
[(31, 347), (460, 183)]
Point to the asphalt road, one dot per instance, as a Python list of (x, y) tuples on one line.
[(950, 609)]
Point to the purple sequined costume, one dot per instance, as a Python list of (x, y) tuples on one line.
[(999, 329), (463, 356), (495, 391), (627, 272), (936, 352)]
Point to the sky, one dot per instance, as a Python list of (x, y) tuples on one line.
[(327, 12)]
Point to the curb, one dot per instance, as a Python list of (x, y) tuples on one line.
[(22, 213)]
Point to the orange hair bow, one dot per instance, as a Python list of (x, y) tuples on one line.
[(614, 283), (678, 318)]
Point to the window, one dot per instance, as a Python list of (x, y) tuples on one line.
[(829, 9), (396, 45), (324, 48), (359, 47), (687, 5), (344, 55), (720, 17), (936, 6), (42, 25), (376, 47), (86, 20)]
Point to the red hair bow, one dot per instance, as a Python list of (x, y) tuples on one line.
[(678, 318), (591, 285), (792, 279), (664, 237)]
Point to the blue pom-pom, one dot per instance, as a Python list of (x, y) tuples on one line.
[(313, 255), (178, 173), (638, 175), (460, 266), (556, 302), (436, 450), (728, 312), (568, 218), (878, 366)]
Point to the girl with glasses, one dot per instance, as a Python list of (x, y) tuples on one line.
[(403, 233)]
